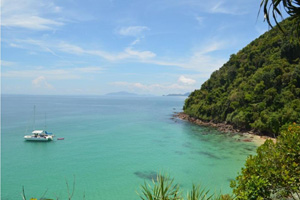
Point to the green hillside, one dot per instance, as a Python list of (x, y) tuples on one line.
[(258, 88)]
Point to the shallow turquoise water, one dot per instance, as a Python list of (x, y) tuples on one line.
[(112, 144)]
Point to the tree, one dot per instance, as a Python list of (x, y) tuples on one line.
[(164, 189), (256, 87), (272, 8), (274, 173)]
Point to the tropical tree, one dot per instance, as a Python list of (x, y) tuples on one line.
[(163, 188), (274, 173), (272, 9)]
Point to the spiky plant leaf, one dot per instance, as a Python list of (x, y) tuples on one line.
[(199, 194), (272, 8), (162, 189)]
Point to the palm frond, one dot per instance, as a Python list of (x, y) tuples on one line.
[(162, 189), (272, 10), (199, 194)]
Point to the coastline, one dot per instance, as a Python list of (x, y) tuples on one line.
[(250, 136)]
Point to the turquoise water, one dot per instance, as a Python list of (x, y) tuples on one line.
[(112, 144)]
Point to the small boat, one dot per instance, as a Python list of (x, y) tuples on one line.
[(39, 135), (60, 138)]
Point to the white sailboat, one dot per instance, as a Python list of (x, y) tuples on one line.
[(39, 135)]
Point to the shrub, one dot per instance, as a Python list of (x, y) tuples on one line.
[(274, 172), (164, 189)]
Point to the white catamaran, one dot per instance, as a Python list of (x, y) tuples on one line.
[(39, 135)]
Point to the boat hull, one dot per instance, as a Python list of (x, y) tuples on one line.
[(38, 139)]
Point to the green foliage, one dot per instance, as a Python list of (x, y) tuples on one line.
[(197, 194), (70, 195), (258, 88), (274, 172), (164, 189), (292, 7)]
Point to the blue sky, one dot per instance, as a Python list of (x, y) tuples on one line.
[(141, 46)]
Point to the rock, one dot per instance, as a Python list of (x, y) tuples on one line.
[(223, 127)]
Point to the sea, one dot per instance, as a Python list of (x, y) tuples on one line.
[(112, 145)]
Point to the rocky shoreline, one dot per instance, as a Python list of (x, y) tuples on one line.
[(227, 128)]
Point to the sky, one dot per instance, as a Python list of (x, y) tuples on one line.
[(94, 47)]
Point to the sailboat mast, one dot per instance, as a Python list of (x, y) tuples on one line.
[(34, 117), (45, 122)]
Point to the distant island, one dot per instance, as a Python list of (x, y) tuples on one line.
[(183, 95), (122, 93)]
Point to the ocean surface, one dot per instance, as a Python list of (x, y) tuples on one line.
[(111, 146)]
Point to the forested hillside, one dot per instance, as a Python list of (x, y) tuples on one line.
[(258, 88)]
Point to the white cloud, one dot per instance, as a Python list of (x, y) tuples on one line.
[(69, 48), (133, 30), (186, 81), (34, 43), (128, 53), (54, 74), (53, 47), (29, 14), (30, 22), (15, 45), (140, 54), (89, 69), (41, 82), (199, 60), (138, 40), (156, 88), (5, 63), (231, 9), (149, 87), (212, 46)]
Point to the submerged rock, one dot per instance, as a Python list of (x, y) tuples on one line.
[(148, 175)]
